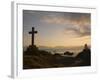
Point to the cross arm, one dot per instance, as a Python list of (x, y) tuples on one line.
[(30, 32), (35, 31)]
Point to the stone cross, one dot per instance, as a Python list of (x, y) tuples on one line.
[(32, 32)]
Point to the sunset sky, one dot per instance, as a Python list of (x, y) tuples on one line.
[(57, 28)]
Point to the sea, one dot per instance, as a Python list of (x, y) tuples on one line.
[(61, 50)]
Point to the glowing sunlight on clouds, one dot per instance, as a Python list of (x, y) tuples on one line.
[(58, 28)]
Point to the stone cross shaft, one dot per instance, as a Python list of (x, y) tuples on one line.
[(32, 33)]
